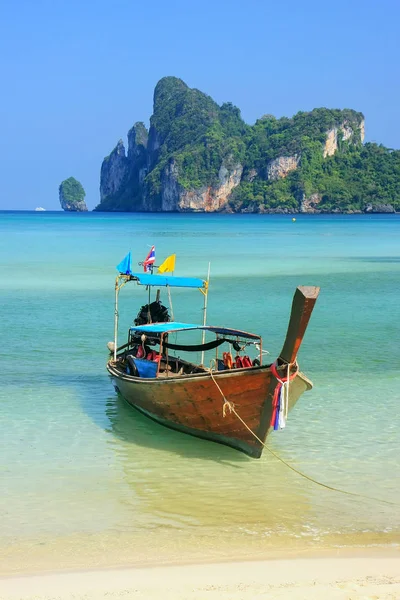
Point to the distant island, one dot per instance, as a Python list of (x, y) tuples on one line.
[(201, 157), (72, 195)]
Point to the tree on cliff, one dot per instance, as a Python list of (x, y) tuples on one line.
[(72, 195)]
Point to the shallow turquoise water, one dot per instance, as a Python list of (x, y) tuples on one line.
[(81, 467)]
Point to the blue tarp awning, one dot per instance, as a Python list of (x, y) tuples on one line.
[(174, 326), (164, 280)]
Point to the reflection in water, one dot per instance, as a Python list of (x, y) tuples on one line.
[(132, 426), (181, 479)]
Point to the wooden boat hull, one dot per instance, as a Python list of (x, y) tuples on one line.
[(193, 404)]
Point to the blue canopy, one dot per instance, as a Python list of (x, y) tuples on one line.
[(164, 280), (162, 327), (176, 326)]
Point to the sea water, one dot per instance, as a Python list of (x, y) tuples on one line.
[(87, 481)]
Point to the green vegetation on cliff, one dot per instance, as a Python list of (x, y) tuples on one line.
[(355, 178), (195, 133), (314, 161), (359, 179), (72, 195)]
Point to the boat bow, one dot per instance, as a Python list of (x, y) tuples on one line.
[(304, 300)]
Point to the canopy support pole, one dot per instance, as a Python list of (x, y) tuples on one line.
[(118, 286), (170, 303), (148, 307), (116, 318), (203, 338)]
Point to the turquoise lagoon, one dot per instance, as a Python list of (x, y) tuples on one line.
[(86, 481)]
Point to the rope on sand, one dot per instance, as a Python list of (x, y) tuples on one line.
[(230, 407)]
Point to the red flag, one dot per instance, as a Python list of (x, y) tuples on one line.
[(149, 260)]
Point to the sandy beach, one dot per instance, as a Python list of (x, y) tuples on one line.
[(343, 578)]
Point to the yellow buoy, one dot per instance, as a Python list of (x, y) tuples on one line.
[(293, 219)]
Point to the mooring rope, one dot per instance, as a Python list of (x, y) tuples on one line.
[(231, 408)]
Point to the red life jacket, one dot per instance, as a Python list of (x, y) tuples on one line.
[(242, 362), (140, 352), (246, 362), (239, 362)]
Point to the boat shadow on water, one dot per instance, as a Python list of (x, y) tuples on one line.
[(133, 427), (111, 413)]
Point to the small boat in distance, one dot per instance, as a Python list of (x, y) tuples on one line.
[(233, 399), (40, 209)]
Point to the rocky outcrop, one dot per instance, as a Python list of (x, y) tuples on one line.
[(310, 204), (72, 195), (347, 131), (362, 131), (229, 178), (379, 208), (153, 146), (281, 167), (137, 141), (138, 138), (114, 171), (331, 142), (251, 175), (255, 208), (171, 189), (174, 197)]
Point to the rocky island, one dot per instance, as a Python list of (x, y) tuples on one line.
[(72, 195), (198, 156)]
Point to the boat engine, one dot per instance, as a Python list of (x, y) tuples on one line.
[(152, 313)]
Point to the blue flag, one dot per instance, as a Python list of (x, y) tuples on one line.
[(125, 266)]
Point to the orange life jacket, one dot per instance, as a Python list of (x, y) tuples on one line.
[(228, 361)]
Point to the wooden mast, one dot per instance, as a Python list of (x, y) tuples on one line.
[(116, 319)]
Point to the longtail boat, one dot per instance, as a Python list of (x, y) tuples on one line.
[(233, 399)]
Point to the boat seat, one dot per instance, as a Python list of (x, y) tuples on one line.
[(169, 374)]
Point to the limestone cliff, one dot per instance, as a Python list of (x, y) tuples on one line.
[(72, 195), (166, 168), (344, 132), (211, 198), (137, 142), (280, 167), (114, 171), (138, 155), (201, 157)]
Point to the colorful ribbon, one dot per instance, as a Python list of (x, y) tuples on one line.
[(280, 402)]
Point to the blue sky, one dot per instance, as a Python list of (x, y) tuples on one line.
[(76, 75)]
